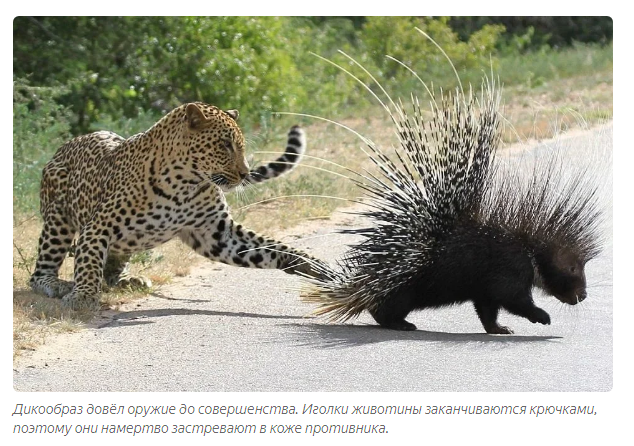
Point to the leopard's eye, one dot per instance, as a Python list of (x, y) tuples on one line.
[(228, 144)]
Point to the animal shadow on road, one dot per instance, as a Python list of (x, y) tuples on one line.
[(345, 336), (140, 317)]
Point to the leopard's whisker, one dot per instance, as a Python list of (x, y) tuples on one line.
[(280, 197)]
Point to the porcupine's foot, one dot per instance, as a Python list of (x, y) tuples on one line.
[(393, 324), (498, 329), (488, 315), (399, 325), (539, 315), (393, 316), (528, 310)]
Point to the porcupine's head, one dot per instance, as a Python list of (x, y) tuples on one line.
[(561, 274), (557, 215), (566, 238)]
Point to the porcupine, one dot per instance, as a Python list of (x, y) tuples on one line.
[(450, 226)]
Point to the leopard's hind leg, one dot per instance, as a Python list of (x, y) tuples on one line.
[(57, 233), (55, 240)]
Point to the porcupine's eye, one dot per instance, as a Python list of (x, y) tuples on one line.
[(573, 269)]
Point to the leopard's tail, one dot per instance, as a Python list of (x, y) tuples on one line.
[(295, 148)]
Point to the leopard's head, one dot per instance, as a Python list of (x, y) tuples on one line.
[(215, 145)]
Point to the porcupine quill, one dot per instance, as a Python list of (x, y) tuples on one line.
[(448, 225)]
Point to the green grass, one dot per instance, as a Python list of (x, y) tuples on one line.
[(534, 69)]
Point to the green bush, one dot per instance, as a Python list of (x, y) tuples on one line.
[(231, 62), (125, 126), (113, 66), (40, 126), (396, 37), (551, 31), (327, 88)]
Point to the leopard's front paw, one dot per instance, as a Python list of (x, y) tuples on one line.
[(76, 300), (310, 267)]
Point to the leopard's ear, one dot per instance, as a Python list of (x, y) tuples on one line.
[(233, 113), (195, 116)]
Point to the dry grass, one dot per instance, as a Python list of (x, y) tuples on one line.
[(559, 106), (532, 115), (316, 175), (36, 317)]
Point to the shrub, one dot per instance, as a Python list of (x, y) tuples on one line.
[(40, 126), (396, 37)]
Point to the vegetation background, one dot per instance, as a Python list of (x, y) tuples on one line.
[(74, 75)]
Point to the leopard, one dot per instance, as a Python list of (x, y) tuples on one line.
[(110, 197)]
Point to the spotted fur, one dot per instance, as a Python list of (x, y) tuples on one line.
[(122, 196), (295, 147)]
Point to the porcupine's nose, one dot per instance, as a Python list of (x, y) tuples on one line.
[(581, 296)]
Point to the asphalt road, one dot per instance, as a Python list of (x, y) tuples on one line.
[(230, 329)]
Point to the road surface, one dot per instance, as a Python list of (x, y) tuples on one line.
[(230, 329)]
